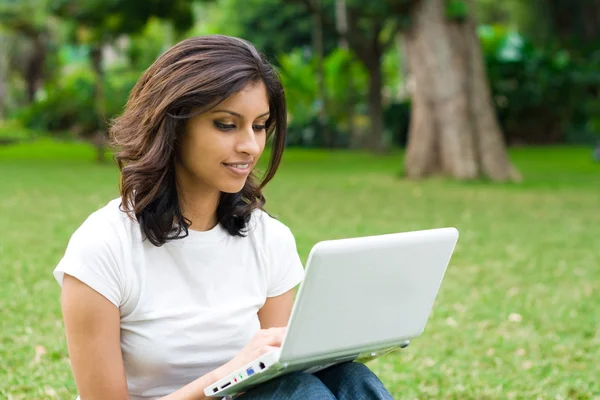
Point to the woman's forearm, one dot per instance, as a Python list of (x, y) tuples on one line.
[(195, 390)]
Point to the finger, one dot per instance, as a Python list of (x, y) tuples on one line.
[(276, 329), (274, 340), (267, 349), (265, 334), (270, 337)]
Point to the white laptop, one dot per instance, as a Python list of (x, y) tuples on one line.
[(360, 298)]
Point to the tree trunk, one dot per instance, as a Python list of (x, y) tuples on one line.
[(354, 134), (375, 137), (4, 54), (422, 155), (454, 130), (369, 50), (99, 138), (341, 22), (341, 25), (322, 92), (34, 72), (493, 157)]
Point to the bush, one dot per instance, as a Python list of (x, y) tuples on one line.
[(541, 96), (66, 104), (345, 81), (396, 117)]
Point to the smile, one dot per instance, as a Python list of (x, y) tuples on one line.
[(241, 166), (238, 169)]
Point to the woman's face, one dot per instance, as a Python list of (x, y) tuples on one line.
[(219, 148)]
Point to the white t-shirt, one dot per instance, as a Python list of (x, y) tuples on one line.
[(188, 306)]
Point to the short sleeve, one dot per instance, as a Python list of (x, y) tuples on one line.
[(286, 269), (90, 258)]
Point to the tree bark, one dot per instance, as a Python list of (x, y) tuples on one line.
[(341, 26), (341, 22), (4, 54), (369, 50), (454, 130), (322, 92), (422, 155), (493, 157), (375, 138), (34, 72)]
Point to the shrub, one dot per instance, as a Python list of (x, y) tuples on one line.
[(66, 104), (541, 95)]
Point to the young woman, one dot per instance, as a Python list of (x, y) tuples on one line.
[(185, 278)]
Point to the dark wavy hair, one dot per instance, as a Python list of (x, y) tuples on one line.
[(190, 78)]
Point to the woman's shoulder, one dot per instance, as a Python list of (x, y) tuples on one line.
[(108, 224), (282, 262), (97, 251), (268, 228)]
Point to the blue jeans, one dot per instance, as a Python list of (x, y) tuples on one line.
[(346, 381)]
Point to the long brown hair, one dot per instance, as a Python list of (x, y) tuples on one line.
[(193, 76)]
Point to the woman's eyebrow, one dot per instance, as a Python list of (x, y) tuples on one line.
[(239, 115)]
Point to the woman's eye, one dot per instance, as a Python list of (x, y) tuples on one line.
[(224, 127), (259, 127)]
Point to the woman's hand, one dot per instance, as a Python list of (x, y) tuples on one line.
[(264, 341)]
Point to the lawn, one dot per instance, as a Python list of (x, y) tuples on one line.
[(518, 314)]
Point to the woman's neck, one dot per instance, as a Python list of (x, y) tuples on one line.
[(200, 209)]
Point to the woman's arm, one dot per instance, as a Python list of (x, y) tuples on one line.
[(276, 310), (92, 325)]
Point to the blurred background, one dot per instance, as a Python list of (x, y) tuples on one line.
[(354, 71), (403, 115)]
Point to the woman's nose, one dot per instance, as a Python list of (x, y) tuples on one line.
[(248, 142)]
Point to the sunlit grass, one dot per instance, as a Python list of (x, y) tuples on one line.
[(518, 315)]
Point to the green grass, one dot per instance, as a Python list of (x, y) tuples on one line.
[(518, 314)]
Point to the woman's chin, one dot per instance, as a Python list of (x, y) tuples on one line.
[(233, 188)]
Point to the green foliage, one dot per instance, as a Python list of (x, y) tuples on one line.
[(375, 19), (457, 10), (31, 35), (98, 23), (64, 104), (298, 76), (346, 86), (101, 21), (145, 46), (273, 26), (118, 85), (25, 17), (397, 121), (346, 83), (67, 103), (344, 77), (574, 25), (12, 131), (541, 96), (378, 10), (391, 66), (525, 16), (545, 88)]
